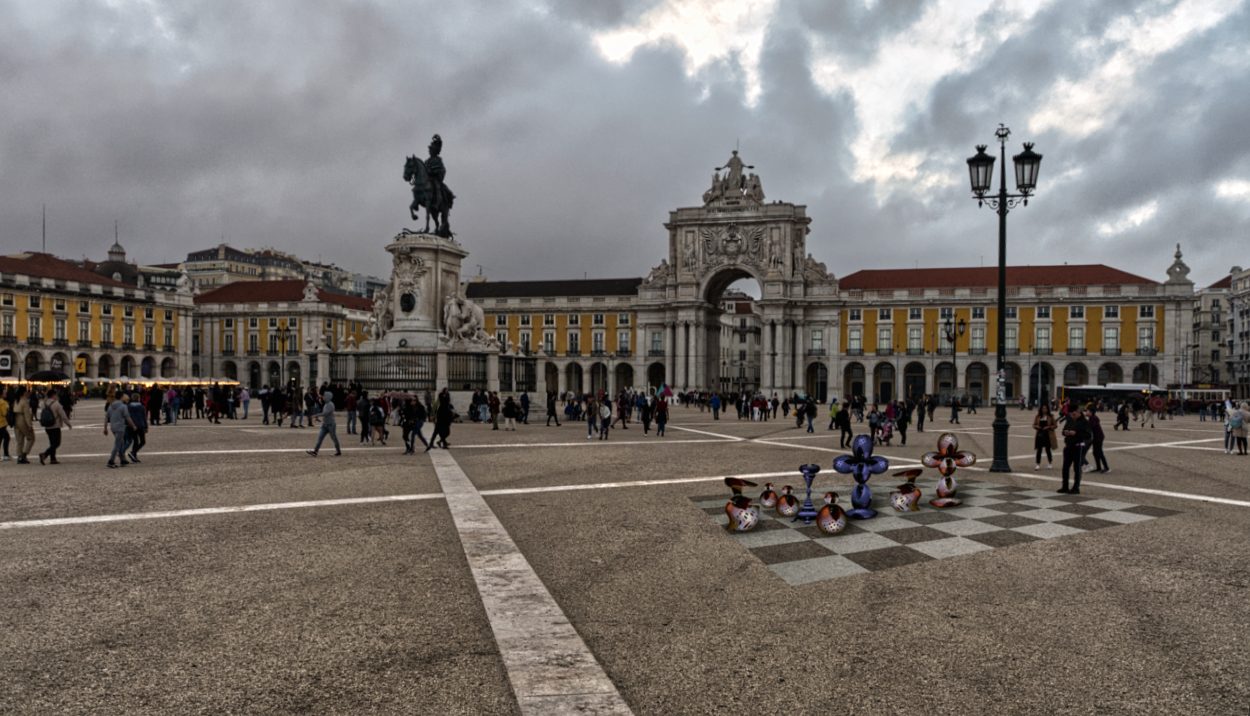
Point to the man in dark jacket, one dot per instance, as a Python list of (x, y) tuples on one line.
[(1076, 434)]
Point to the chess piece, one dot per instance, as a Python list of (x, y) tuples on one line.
[(787, 503), (768, 498), (736, 484), (861, 465), (947, 459), (831, 520), (905, 498), (743, 517)]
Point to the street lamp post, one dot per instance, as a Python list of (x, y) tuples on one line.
[(981, 172)]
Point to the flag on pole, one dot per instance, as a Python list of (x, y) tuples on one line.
[(664, 392)]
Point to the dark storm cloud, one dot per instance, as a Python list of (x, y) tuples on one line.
[(286, 124)]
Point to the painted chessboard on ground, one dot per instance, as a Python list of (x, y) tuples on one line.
[(991, 516)]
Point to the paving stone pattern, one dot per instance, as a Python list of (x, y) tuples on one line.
[(991, 516)]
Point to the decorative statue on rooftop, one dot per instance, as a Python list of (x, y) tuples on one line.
[(428, 189)]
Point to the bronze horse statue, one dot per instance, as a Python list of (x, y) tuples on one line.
[(429, 191)]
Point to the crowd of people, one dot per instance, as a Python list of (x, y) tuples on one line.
[(131, 412)]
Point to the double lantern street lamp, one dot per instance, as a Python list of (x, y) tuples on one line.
[(981, 171)]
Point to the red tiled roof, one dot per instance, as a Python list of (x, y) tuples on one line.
[(289, 291), (742, 307), (987, 276), (49, 266), (1226, 282)]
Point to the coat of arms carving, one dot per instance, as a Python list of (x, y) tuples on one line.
[(731, 244)]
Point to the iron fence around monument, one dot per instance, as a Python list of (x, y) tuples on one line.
[(465, 371), (339, 368), (395, 371), (505, 373), (525, 375)]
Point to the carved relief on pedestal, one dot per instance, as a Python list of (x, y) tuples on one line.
[(731, 244)]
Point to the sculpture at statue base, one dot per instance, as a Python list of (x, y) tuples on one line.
[(947, 459), (861, 465)]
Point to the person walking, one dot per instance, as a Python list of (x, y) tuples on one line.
[(377, 422), (1096, 440), (136, 436), (1075, 435), (493, 406), (1044, 436), (23, 425), (955, 408), (843, 421), (5, 418), (716, 403), (363, 406), (661, 416), (349, 406), (902, 418), (53, 418), (245, 398), (592, 418), (605, 417), (551, 409), (833, 412), (809, 411), (525, 408), (415, 416), (118, 418), (920, 412), (328, 427), (644, 416), (444, 414)]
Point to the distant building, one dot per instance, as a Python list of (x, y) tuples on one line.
[(1237, 333), (740, 343), (225, 264), (1208, 351)]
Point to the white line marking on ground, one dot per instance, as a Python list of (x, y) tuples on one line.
[(213, 511), (1125, 488), (704, 432), (550, 667)]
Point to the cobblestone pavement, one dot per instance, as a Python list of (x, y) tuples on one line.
[(230, 572)]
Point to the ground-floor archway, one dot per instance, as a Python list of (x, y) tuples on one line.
[(817, 382), (13, 362), (1011, 380), (913, 381), (655, 375), (147, 367), (61, 364), (1075, 374), (883, 379), (944, 381), (598, 378), (624, 376), (1110, 373), (1041, 382), (253, 376), (230, 370), (86, 365), (126, 368), (293, 374), (274, 371), (34, 363), (551, 374), (195, 370), (573, 377), (1146, 373), (976, 377), (853, 377), (104, 369)]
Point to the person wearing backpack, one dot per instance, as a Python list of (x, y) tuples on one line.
[(23, 425), (52, 418), (377, 422)]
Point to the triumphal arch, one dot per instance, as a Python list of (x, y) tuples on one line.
[(737, 234)]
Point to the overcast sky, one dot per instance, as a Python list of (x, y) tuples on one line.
[(571, 128)]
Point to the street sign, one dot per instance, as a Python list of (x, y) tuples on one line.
[(80, 365), (6, 362)]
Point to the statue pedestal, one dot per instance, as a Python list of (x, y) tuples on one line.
[(408, 313)]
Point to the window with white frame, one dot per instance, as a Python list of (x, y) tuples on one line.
[(148, 337), (1146, 337), (6, 326), (1013, 312), (945, 313), (85, 307), (575, 342), (1076, 337), (106, 309), (915, 314), (1076, 312), (978, 338), (106, 332), (525, 341), (228, 343), (169, 315), (169, 337), (1043, 339), (1111, 312), (818, 339), (525, 319), (128, 334), (229, 323), (883, 314), (915, 340), (1111, 338), (84, 331), (657, 341), (597, 342), (885, 338), (292, 322), (1043, 312), (58, 329), (854, 340), (147, 314), (6, 299), (1011, 339), (597, 319), (549, 319), (622, 341), (622, 319), (978, 313), (502, 337), (549, 342), (128, 311), (856, 314), (273, 323), (253, 342), (34, 302), (1149, 311), (575, 319)]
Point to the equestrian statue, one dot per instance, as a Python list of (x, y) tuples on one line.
[(428, 189)]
